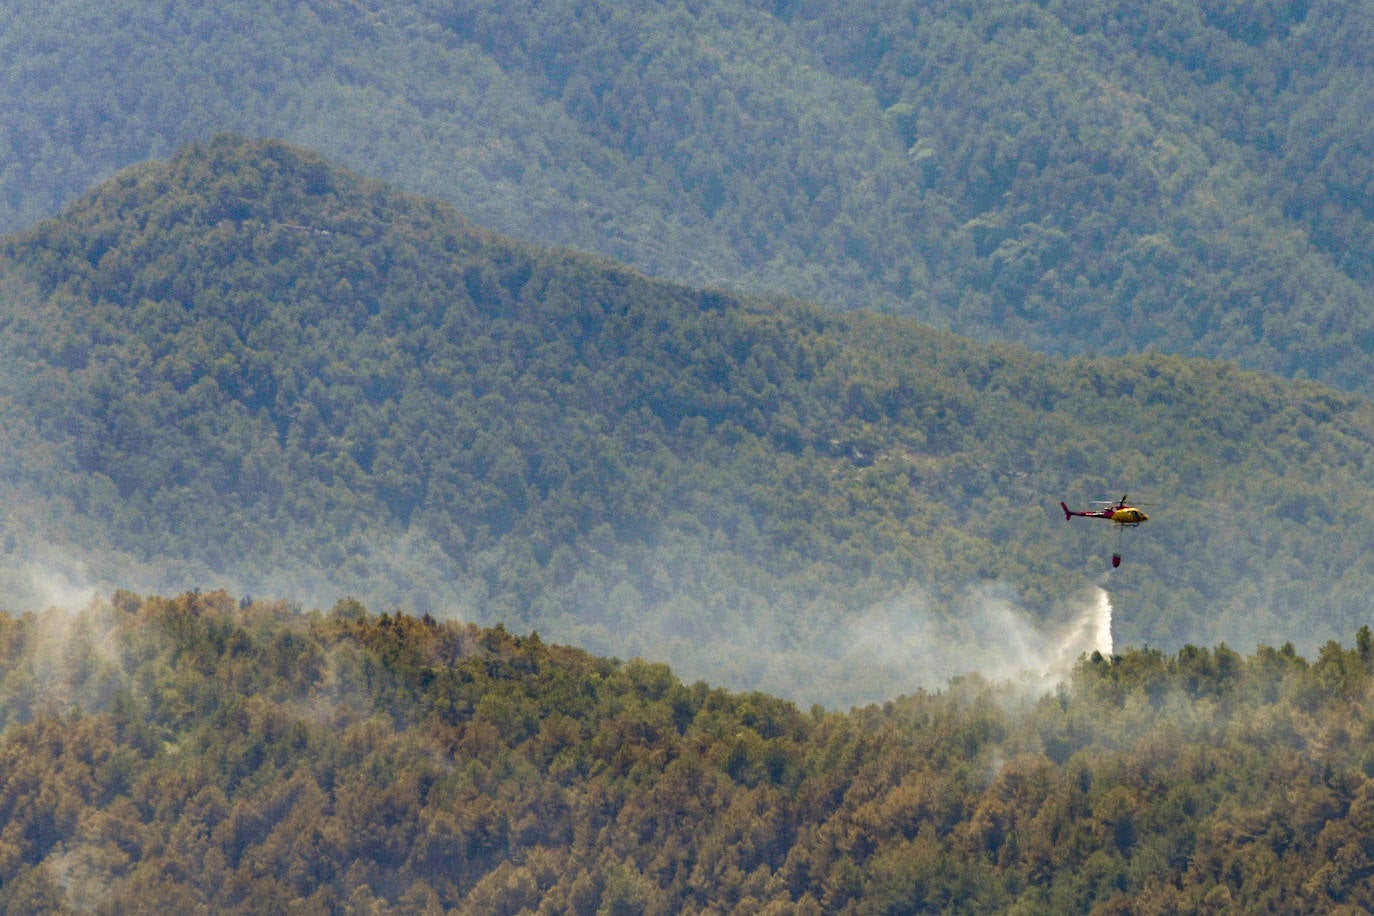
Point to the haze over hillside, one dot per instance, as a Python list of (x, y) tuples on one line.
[(197, 753), (1087, 177), (247, 367)]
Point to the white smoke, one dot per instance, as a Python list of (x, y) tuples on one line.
[(906, 645), (1090, 631), (52, 580), (1018, 647), (61, 589)]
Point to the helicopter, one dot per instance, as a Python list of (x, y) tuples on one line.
[(1118, 512)]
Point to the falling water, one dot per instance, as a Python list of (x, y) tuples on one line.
[(1090, 632), (1102, 634)]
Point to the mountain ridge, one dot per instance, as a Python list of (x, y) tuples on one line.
[(1110, 178)]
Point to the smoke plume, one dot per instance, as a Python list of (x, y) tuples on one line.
[(906, 644)]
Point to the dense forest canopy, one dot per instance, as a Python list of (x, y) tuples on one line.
[(245, 366), (1084, 177), (198, 753)]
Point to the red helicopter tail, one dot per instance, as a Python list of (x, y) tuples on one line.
[(1068, 516)]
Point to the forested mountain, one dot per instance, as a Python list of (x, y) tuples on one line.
[(247, 367), (188, 754), (1083, 177)]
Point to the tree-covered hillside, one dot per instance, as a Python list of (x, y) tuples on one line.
[(247, 367), (194, 753), (1082, 177)]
